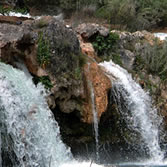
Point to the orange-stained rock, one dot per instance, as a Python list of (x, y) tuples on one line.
[(94, 77), (87, 49), (101, 84)]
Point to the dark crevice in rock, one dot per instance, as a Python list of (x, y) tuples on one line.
[(76, 134)]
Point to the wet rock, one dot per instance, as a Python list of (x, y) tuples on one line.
[(100, 84), (94, 80)]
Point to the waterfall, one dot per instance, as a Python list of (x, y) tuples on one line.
[(95, 116), (95, 120), (27, 124), (136, 107)]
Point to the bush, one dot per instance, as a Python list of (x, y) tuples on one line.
[(153, 59), (45, 80), (104, 45), (7, 10), (134, 14)]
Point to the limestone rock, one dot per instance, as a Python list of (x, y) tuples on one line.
[(100, 85), (127, 58), (94, 78), (90, 29)]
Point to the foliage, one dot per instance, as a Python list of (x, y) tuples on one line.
[(82, 59), (130, 14), (103, 44), (106, 47), (4, 11), (21, 10), (7, 10), (78, 73), (43, 51), (45, 80), (134, 14), (153, 59), (41, 23)]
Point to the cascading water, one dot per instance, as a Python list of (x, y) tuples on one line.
[(27, 120), (95, 117), (29, 135), (137, 107)]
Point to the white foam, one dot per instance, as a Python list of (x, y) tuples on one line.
[(161, 36)]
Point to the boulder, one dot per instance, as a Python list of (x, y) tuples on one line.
[(90, 29)]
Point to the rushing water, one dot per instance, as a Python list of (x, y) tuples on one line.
[(161, 36), (29, 122), (136, 107), (95, 117), (34, 134)]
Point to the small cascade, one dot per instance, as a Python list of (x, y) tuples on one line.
[(27, 124), (95, 117), (135, 106)]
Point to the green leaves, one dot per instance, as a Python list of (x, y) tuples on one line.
[(153, 59), (134, 14), (45, 80), (105, 44), (43, 51)]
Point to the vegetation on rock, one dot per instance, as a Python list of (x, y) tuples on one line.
[(45, 80), (6, 10), (134, 14), (43, 52), (153, 59), (107, 47), (105, 44)]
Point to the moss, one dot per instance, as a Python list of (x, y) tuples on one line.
[(81, 59)]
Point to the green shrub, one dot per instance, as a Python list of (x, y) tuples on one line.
[(41, 23), (6, 10), (134, 14), (81, 61), (43, 51), (106, 47), (45, 80), (103, 45), (153, 59)]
